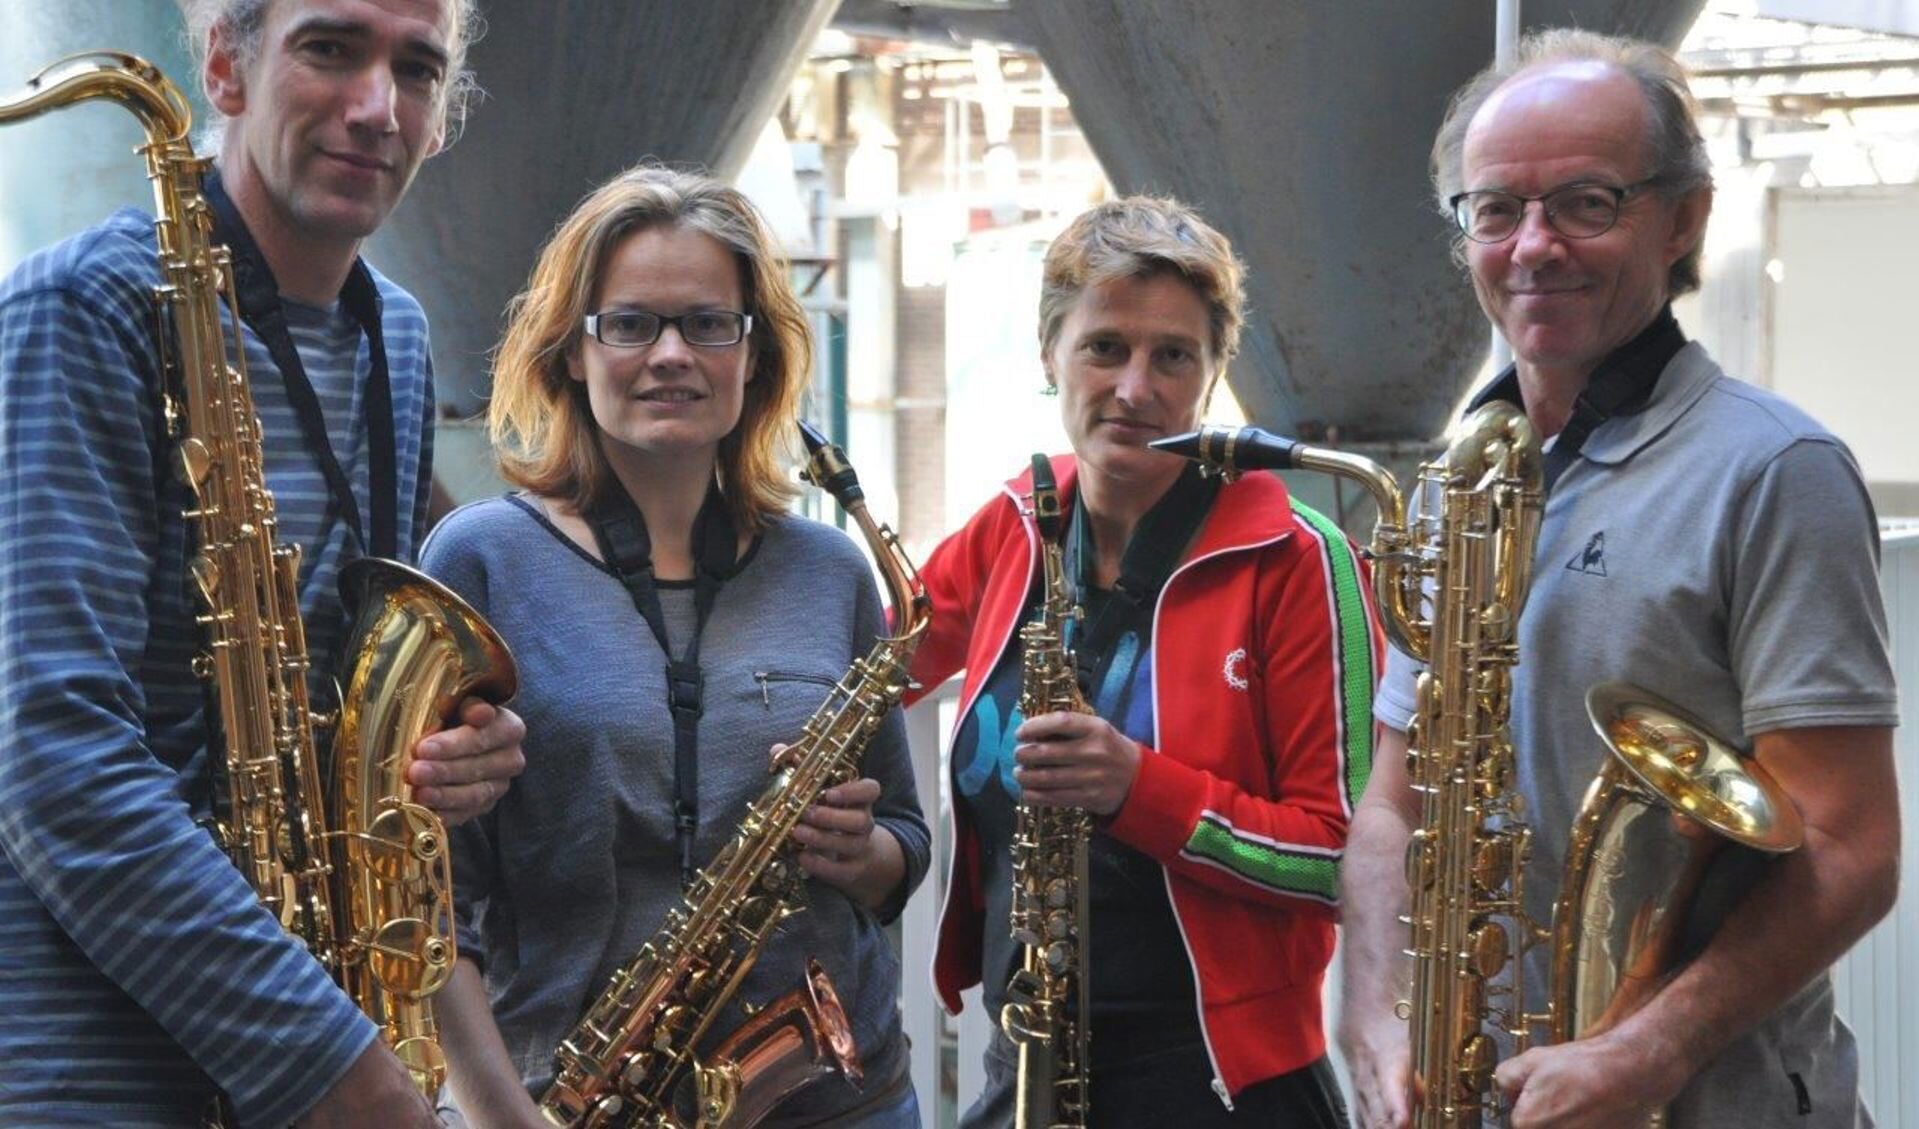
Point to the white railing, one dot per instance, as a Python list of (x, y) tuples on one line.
[(1877, 983)]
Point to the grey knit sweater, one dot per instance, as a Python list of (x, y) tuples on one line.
[(576, 867)]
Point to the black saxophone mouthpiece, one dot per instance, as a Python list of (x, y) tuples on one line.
[(1229, 451), (1046, 511), (827, 467)]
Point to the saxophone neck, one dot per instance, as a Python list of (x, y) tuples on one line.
[(828, 468), (129, 80)]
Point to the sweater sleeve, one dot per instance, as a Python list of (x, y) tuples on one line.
[(955, 576), (95, 825), (1316, 662), (889, 760)]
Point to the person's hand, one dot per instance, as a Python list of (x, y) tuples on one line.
[(1594, 1083), (1380, 1062), (462, 771), (375, 1090), (835, 835), (1074, 760)]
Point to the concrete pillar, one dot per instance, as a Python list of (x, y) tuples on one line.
[(576, 91), (66, 170), (1302, 131)]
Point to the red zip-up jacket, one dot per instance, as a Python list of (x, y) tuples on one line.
[(1266, 650)]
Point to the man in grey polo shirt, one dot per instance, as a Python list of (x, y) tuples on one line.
[(1702, 537)]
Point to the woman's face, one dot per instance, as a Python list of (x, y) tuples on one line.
[(1132, 360), (668, 398)]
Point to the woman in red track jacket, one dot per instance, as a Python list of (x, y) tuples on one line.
[(1229, 653)]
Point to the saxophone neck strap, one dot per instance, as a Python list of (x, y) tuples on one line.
[(258, 295), (1150, 556), (620, 530)]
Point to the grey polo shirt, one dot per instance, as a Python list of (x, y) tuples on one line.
[(1719, 548)]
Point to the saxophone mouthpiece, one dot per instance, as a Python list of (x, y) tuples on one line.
[(827, 467), (1229, 451), (1046, 511)]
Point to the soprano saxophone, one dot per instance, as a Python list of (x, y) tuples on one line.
[(358, 872), (1048, 1006), (637, 1053), (1473, 548)]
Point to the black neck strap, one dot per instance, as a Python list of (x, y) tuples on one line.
[(1622, 384), (260, 308), (620, 530), (1147, 563)]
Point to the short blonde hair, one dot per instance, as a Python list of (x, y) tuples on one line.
[(1137, 237), (540, 419)]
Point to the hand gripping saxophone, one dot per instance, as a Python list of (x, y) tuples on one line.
[(635, 1060), (358, 872), (1473, 547), (1048, 1005)]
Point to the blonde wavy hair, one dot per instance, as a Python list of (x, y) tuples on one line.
[(540, 420)]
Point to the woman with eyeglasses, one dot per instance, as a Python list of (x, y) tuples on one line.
[(672, 622), (1228, 655)]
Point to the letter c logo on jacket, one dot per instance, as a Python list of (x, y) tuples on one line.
[(1235, 669)]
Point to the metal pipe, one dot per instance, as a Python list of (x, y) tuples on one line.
[(1505, 48)]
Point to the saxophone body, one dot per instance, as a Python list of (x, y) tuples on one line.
[(1048, 1002), (635, 1059), (343, 859), (1473, 548)]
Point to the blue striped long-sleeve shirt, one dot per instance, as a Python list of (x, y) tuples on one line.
[(137, 970)]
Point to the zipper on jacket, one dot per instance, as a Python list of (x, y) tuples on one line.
[(767, 677), (1166, 873)]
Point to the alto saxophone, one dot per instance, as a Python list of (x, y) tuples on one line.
[(638, 1047), (1473, 548), (1048, 1005), (358, 872)]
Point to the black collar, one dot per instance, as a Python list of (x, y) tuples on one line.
[(1622, 385)]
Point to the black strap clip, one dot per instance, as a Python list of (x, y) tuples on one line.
[(686, 689)]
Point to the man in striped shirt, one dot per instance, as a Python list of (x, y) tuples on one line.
[(138, 972)]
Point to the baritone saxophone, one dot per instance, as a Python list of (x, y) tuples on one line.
[(1048, 1006), (1669, 798), (1472, 548), (346, 861), (637, 1058)]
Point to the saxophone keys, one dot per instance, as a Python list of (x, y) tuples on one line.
[(424, 1060), (192, 460), (1059, 894), (1492, 862), (1419, 860), (1477, 1058), (1486, 950), (409, 958)]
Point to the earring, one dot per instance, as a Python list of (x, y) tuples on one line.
[(1049, 389)]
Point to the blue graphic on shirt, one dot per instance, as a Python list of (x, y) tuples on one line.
[(983, 750), (992, 748)]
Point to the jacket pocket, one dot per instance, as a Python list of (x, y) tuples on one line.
[(773, 683)]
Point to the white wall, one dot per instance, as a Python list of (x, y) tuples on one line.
[(1844, 340)]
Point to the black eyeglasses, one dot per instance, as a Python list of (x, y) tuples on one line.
[(632, 329), (1576, 211)]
